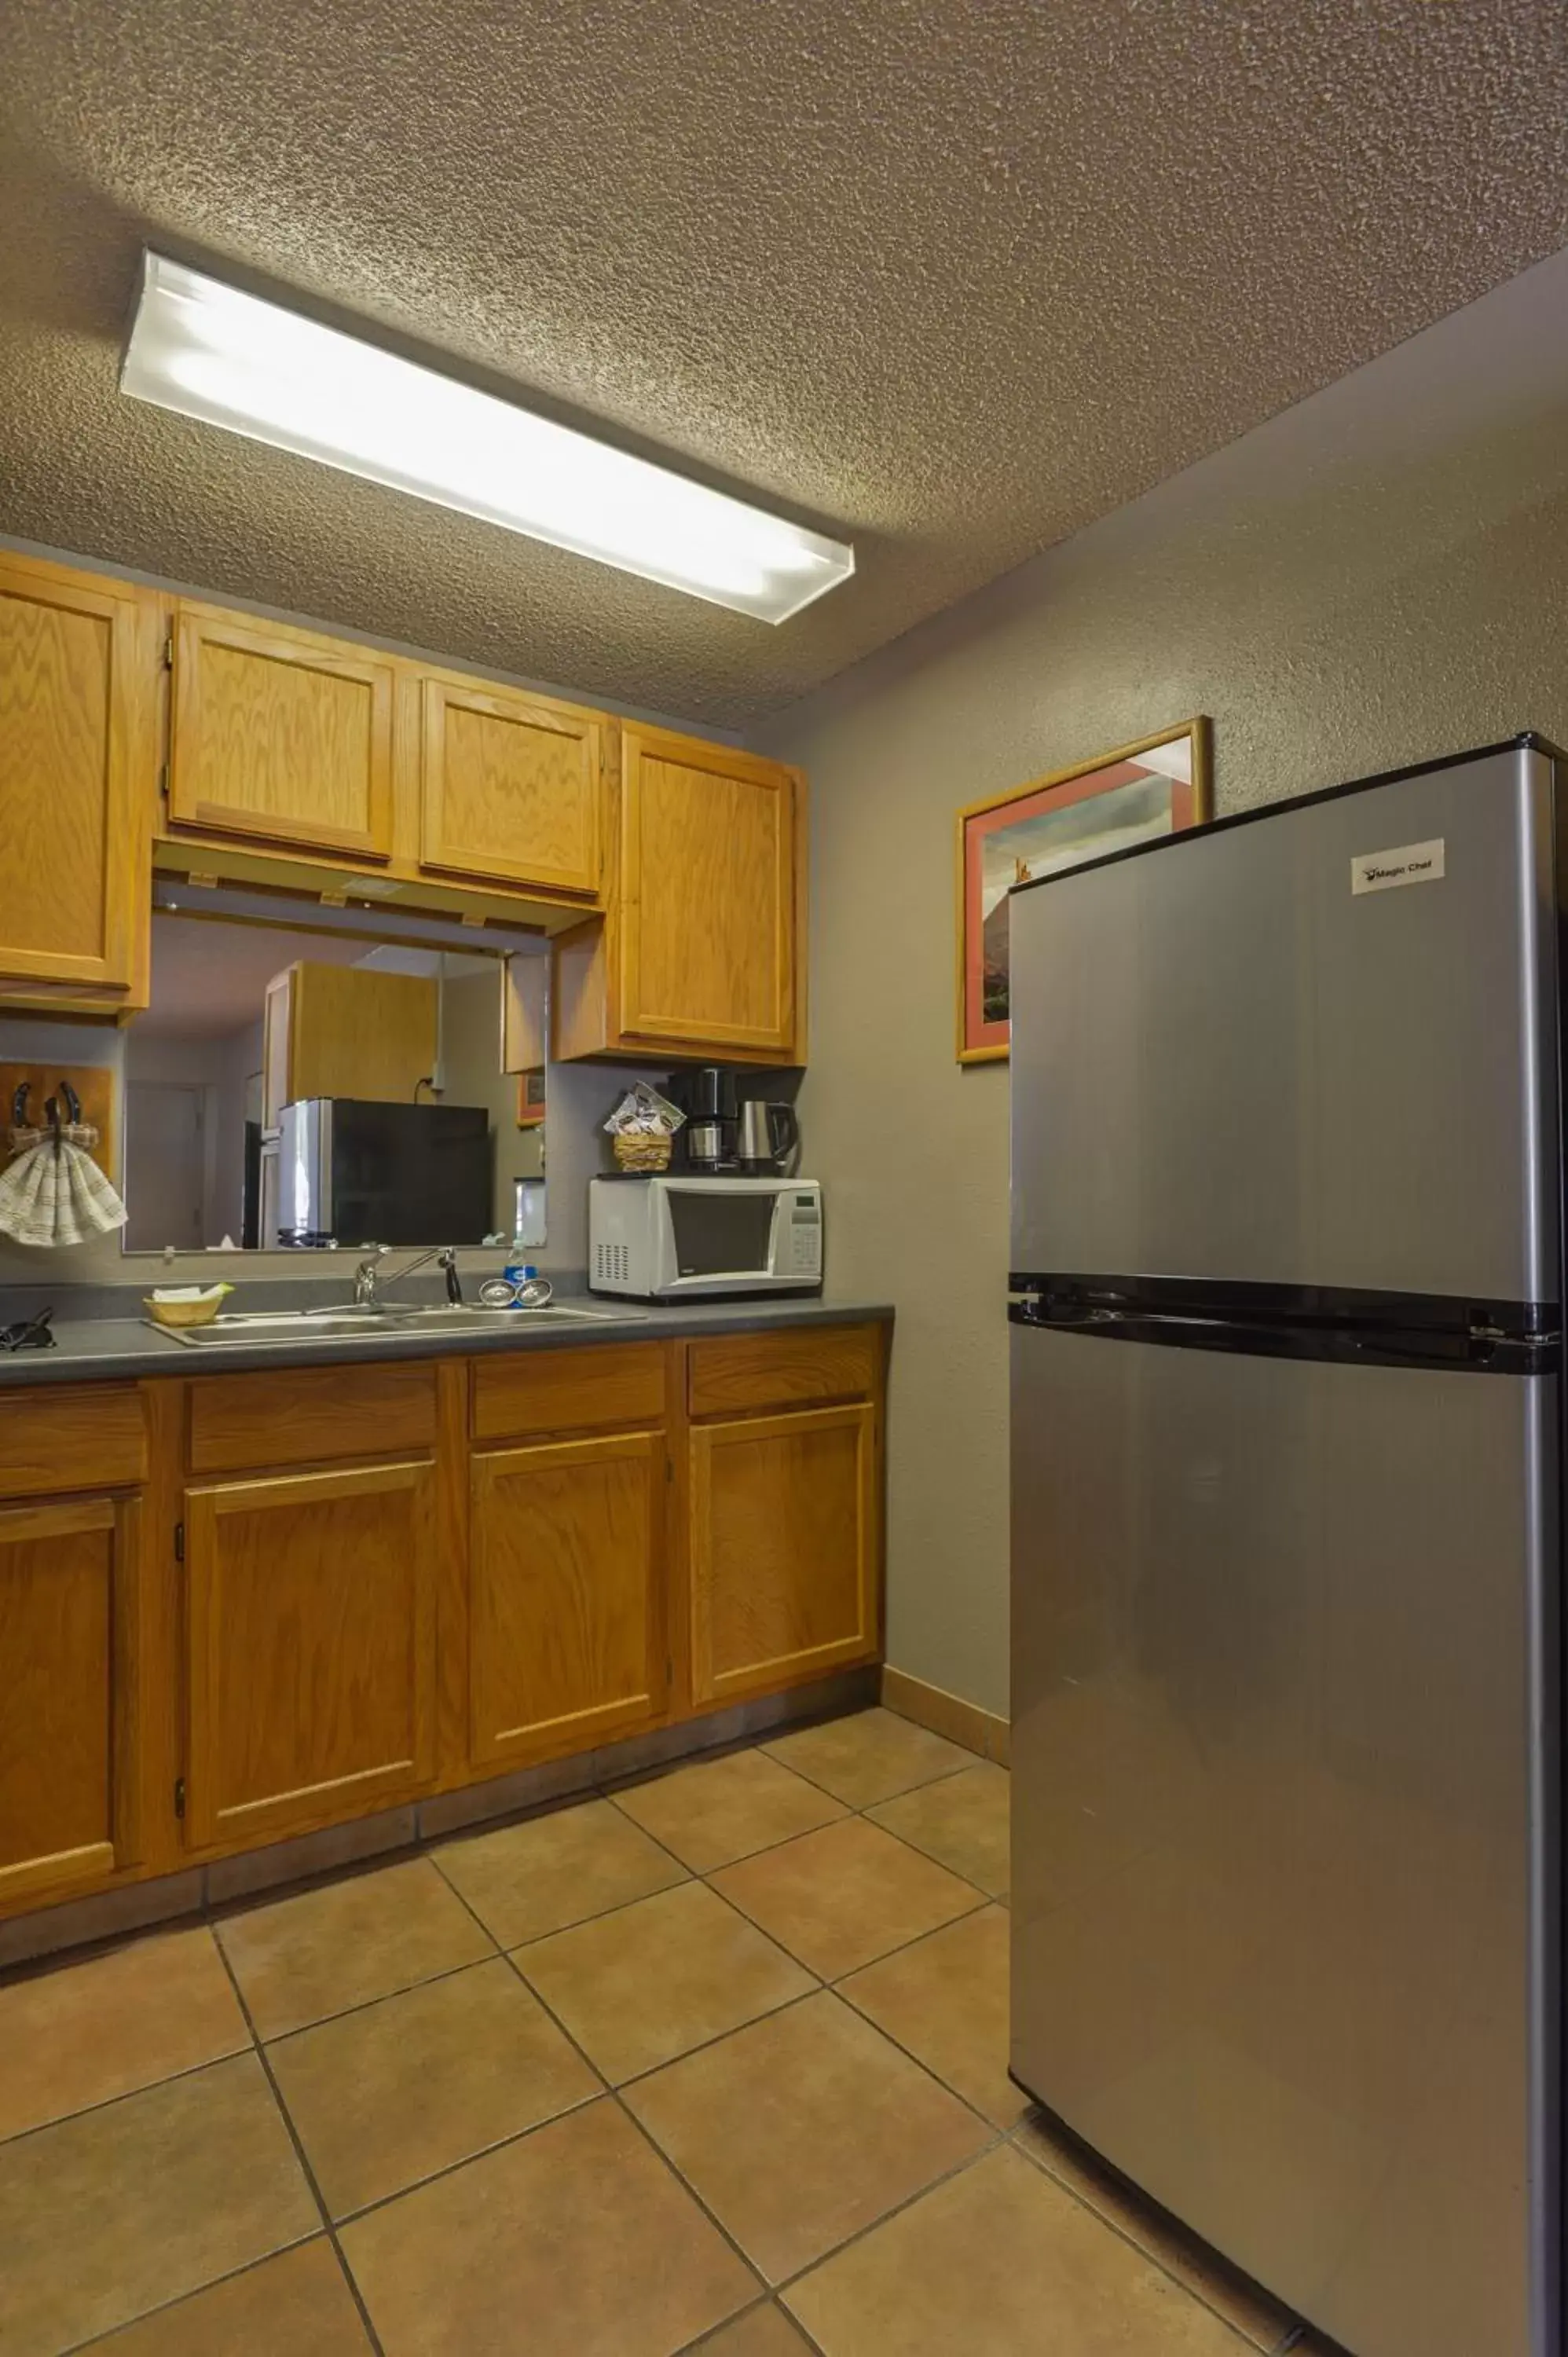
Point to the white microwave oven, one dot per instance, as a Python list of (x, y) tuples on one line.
[(678, 1238)]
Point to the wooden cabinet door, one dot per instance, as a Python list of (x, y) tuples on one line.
[(784, 1549), (708, 892), (312, 1635), (78, 779), (566, 1644), (512, 787), (280, 734), (67, 1623)]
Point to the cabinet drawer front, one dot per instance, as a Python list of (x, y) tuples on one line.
[(67, 1438), (735, 1371), (309, 1416), (568, 1391), (280, 734)]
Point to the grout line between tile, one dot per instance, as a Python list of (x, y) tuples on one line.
[(183, 2299), (719, 1865), (480, 2152), (970, 2161), (1275, 2349), (859, 1808), (613, 2094), (364, 2004), (716, 2332), (124, 2095), (304, 2159)]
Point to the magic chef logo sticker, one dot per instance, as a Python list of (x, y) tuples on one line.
[(1412, 863)]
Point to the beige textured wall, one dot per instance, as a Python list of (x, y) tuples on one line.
[(1378, 576)]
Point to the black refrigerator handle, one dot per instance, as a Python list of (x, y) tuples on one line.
[(1474, 1346)]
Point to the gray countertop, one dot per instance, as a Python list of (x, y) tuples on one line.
[(124, 1346)]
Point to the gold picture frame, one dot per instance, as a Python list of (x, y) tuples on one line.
[(1046, 819)]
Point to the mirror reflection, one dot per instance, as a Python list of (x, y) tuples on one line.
[(291, 1087)]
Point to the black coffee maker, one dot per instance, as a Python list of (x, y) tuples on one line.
[(712, 1113)]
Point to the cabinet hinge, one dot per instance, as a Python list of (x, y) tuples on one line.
[(180, 1796), (180, 1542), (168, 652)]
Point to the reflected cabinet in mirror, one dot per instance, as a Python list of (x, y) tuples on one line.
[(294, 1085)]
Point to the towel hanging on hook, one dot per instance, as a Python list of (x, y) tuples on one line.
[(54, 1192)]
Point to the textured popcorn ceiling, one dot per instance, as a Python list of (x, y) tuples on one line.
[(948, 277)]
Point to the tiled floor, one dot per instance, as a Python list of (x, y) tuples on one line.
[(715, 2062)]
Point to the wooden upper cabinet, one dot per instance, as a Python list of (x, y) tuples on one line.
[(511, 786), (709, 917), (68, 1624), (280, 734), (312, 1630), (346, 1031), (78, 758)]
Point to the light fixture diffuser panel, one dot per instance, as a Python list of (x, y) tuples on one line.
[(212, 352)]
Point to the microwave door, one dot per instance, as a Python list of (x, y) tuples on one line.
[(722, 1236)]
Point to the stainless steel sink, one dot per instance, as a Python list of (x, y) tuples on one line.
[(288, 1326)]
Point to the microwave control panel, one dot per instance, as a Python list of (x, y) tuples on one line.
[(803, 1254)]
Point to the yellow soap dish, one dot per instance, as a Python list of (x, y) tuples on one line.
[(186, 1307)]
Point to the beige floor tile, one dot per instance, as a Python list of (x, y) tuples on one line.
[(946, 2000), (650, 1982), (961, 1823), (803, 2129), (576, 2242), (869, 1756), (393, 2093), (1203, 2271), (764, 2332), (119, 2209), (1001, 2263), (719, 1810), (82, 2033), (297, 2305), (838, 1898), (300, 1959), (526, 1880)]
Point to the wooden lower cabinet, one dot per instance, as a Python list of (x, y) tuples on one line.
[(67, 1636), (566, 1596), (784, 1549), (292, 1598), (311, 1614)]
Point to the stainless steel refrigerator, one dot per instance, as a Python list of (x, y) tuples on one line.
[(1287, 1466)]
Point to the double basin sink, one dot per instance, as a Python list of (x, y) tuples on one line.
[(347, 1319)]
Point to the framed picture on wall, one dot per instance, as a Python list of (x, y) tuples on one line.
[(1158, 786)]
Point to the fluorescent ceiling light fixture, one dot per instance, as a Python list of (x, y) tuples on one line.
[(230, 359)]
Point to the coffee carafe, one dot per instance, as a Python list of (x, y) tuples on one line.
[(768, 1132), (711, 1119)]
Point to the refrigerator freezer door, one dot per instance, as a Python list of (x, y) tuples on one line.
[(1230, 1059), (1280, 1898)]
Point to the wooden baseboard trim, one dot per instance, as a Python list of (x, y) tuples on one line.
[(946, 1713)]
